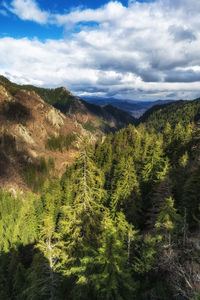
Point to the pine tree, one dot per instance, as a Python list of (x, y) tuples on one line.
[(19, 282), (167, 220), (155, 165), (113, 280), (191, 197), (125, 189), (52, 196), (145, 254), (80, 223), (42, 275)]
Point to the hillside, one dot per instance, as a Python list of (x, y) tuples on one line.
[(180, 111), (91, 117), (122, 223), (36, 140), (108, 218)]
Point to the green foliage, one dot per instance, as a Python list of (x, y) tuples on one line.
[(89, 126), (167, 219), (191, 197), (51, 163), (146, 255), (113, 226), (15, 212), (69, 139), (113, 280), (36, 175), (197, 296), (57, 143), (184, 112)]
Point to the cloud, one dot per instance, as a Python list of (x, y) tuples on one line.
[(111, 11), (28, 10), (146, 50), (180, 33)]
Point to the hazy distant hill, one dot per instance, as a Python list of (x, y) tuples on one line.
[(135, 108)]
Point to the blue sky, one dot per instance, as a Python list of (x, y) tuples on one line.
[(128, 49)]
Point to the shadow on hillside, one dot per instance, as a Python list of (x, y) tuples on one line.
[(3, 164), (16, 112), (26, 274), (10, 156)]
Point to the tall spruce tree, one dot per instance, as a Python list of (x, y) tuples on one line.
[(167, 220), (112, 279), (125, 189)]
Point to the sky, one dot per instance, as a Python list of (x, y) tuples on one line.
[(130, 49)]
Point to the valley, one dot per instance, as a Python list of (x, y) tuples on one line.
[(94, 203)]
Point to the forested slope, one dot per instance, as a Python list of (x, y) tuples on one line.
[(122, 223), (180, 111)]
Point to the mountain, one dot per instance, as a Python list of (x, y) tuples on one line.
[(38, 140), (123, 221), (32, 133), (133, 107), (91, 117), (181, 111)]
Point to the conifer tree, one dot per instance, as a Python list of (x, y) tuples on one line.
[(191, 197), (52, 197), (145, 252), (125, 188), (167, 220), (113, 280), (19, 282), (80, 223), (42, 277), (156, 165)]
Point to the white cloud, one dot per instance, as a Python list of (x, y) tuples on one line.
[(145, 50), (28, 10), (110, 11)]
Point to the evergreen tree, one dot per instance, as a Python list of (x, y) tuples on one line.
[(125, 189), (167, 220), (191, 197), (42, 277), (80, 223), (52, 196), (19, 282), (113, 280)]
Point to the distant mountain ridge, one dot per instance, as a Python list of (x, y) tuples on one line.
[(135, 108)]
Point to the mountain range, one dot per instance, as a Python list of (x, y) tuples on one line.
[(37, 124), (82, 197), (41, 129), (135, 108)]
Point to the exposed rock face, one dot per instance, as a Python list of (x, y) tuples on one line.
[(55, 118), (24, 134), (4, 93)]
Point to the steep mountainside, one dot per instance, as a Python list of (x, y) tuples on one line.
[(91, 116), (32, 134)]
